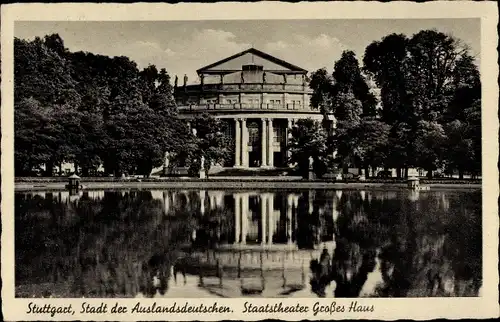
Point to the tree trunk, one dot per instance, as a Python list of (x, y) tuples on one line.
[(398, 173), (460, 174), (374, 170), (406, 172), (367, 171), (429, 174), (60, 169)]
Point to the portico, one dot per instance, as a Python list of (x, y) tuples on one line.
[(259, 96), (257, 146), (262, 231)]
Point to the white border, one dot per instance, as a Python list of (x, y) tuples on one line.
[(390, 309)]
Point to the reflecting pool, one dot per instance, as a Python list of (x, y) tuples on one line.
[(238, 243)]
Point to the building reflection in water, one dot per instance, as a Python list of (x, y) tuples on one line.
[(260, 243)]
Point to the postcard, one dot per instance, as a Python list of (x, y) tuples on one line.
[(242, 161)]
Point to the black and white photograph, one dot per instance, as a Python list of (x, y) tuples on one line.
[(248, 158)]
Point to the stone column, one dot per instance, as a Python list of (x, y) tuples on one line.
[(264, 143), (202, 201), (270, 216), (244, 218), (237, 218), (263, 210), (310, 202), (244, 143), (270, 147), (166, 201), (237, 154), (289, 213), (211, 200), (335, 213), (288, 137)]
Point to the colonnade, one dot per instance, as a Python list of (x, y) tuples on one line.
[(269, 217), (267, 141)]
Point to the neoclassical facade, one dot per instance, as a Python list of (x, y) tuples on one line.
[(260, 97)]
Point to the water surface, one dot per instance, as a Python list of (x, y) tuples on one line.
[(207, 243)]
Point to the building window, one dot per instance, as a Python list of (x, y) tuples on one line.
[(279, 133), (253, 134)]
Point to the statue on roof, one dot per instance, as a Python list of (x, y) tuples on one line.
[(202, 78), (242, 78), (264, 77), (185, 79), (176, 81)]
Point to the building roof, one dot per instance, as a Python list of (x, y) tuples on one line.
[(276, 64)]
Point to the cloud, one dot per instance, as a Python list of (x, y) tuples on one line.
[(184, 52), (310, 53), (202, 48), (205, 46), (185, 55)]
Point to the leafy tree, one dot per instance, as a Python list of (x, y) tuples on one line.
[(400, 152), (373, 136), (91, 109), (321, 84), (43, 88), (346, 137), (459, 147), (463, 142), (429, 78), (428, 145), (34, 139), (308, 140), (385, 61), (210, 143), (348, 77)]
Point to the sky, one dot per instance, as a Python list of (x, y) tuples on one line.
[(182, 47)]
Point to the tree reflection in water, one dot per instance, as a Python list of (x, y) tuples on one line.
[(424, 248), (120, 244)]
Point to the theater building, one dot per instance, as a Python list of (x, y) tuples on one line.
[(259, 96)]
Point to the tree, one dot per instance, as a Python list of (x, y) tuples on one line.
[(33, 132), (348, 77), (426, 81), (211, 143), (345, 138), (400, 152), (308, 140), (463, 142), (91, 109), (373, 136), (43, 92), (428, 145), (385, 61)]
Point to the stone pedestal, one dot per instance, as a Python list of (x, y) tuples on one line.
[(202, 174), (311, 175)]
